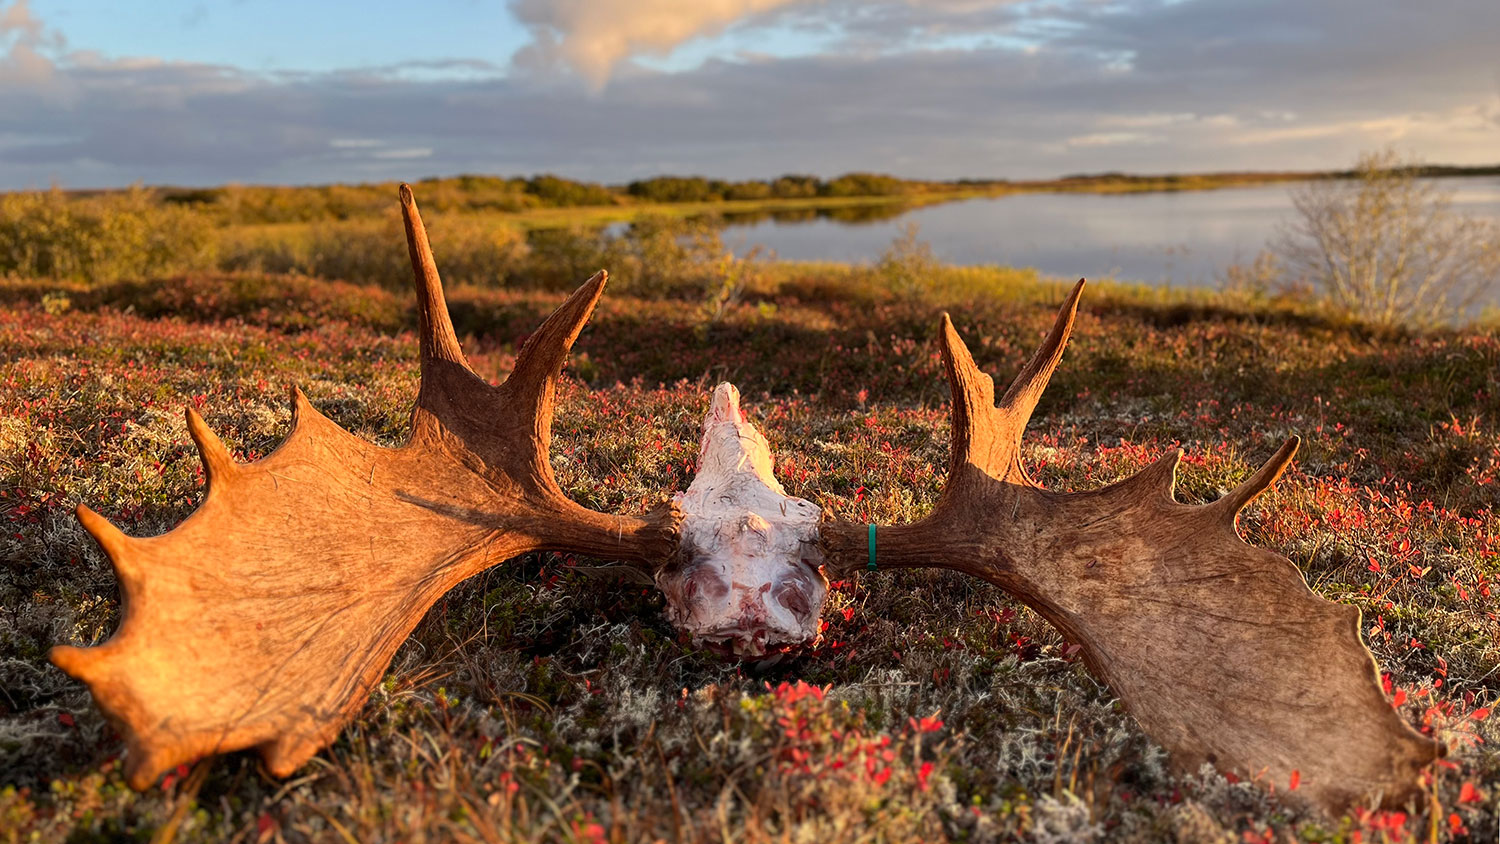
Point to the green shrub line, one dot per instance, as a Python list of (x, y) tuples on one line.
[(237, 204), (84, 244), (667, 244), (128, 235)]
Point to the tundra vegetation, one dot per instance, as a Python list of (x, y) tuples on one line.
[(1387, 245), (548, 699)]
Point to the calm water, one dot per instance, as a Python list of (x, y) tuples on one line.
[(1184, 238)]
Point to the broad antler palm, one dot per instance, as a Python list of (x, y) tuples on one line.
[(266, 617), (1218, 649)]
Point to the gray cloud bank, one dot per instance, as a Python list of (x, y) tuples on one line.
[(936, 89)]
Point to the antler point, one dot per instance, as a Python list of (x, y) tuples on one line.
[(142, 772), (1077, 292), (595, 283), (217, 461), (110, 538), (948, 334), (1263, 479), (78, 663), (1160, 476), (287, 752)]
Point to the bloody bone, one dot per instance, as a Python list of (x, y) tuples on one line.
[(747, 579)]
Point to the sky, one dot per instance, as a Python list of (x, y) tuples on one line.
[(99, 93)]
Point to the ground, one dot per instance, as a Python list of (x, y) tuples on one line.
[(547, 699)]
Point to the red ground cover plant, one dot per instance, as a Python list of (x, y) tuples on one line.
[(548, 699)]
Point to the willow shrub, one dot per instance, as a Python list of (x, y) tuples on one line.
[(470, 249), (100, 239)]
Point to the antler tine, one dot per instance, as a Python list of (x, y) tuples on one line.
[(985, 435), (91, 664), (1158, 479), (532, 384), (434, 326), (115, 544), (1024, 392), (973, 393), (218, 463), (1264, 478)]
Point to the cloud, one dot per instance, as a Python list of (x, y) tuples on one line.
[(1299, 85), (23, 39), (17, 20), (1109, 139), (402, 154), (593, 36)]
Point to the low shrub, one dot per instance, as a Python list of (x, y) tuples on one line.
[(50, 235)]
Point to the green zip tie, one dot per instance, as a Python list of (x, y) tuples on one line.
[(871, 567)]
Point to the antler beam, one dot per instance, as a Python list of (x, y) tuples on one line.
[(1218, 649), (266, 617)]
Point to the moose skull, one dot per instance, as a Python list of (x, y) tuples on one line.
[(747, 580), (264, 620)]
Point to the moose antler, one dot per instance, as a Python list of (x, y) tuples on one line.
[(1218, 649), (266, 617)]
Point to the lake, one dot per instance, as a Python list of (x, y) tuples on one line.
[(1183, 238)]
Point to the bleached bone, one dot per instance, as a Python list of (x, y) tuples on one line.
[(748, 579)]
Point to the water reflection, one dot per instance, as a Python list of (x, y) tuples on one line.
[(850, 215), (1183, 238)]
